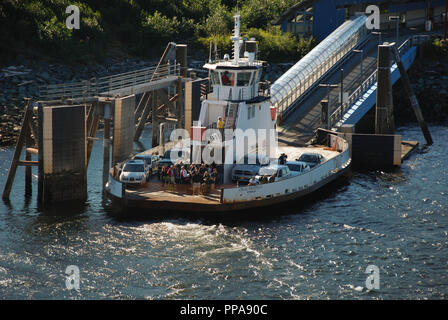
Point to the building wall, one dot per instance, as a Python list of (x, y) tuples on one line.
[(438, 14), (415, 18), (326, 18), (329, 14)]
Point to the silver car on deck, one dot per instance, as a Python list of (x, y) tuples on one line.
[(248, 167)]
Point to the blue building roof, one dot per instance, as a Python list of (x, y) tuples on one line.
[(330, 14)]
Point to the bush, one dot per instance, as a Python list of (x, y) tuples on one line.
[(260, 13), (223, 43), (273, 45), (437, 49), (37, 28), (305, 45), (158, 30)]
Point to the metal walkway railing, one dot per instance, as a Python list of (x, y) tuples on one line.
[(338, 112), (298, 83), (107, 85)]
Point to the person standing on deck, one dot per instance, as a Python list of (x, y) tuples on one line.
[(163, 175), (282, 158), (220, 125), (184, 175), (214, 178), (206, 183), (172, 176), (196, 179), (177, 177), (202, 169)]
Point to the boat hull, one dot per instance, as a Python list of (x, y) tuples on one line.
[(230, 199), (147, 207)]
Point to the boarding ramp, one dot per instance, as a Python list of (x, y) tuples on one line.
[(133, 82), (298, 83), (364, 97), (358, 78)]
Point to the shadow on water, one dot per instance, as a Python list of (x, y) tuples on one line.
[(27, 204), (393, 175), (64, 209), (423, 149)]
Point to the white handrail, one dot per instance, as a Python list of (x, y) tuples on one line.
[(97, 86), (337, 115)]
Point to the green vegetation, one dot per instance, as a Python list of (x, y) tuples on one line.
[(435, 50), (36, 28)]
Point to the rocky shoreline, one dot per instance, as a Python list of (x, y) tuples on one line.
[(429, 80), (22, 81)]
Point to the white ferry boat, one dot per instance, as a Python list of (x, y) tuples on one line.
[(236, 112)]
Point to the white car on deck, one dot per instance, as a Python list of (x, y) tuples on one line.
[(298, 166), (280, 172), (134, 172)]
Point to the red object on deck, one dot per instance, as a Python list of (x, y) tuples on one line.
[(197, 133), (273, 111)]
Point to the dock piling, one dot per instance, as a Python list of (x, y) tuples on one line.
[(106, 144), (28, 171), (410, 92), (325, 114), (384, 121), (24, 132), (40, 155)]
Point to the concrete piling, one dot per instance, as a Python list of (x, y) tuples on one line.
[(106, 144), (65, 133), (384, 116), (64, 154), (325, 114), (123, 128), (181, 58), (28, 171), (40, 155)]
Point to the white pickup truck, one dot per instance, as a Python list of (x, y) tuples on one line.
[(276, 171)]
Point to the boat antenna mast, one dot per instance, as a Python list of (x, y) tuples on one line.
[(236, 38)]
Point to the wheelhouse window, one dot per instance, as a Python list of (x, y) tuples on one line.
[(250, 112), (243, 79), (227, 78), (214, 75)]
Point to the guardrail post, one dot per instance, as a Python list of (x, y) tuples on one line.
[(342, 93)]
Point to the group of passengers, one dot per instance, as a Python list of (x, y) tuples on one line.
[(203, 177), (262, 180)]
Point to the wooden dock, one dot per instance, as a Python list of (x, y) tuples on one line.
[(179, 193)]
